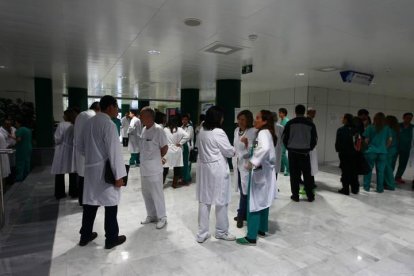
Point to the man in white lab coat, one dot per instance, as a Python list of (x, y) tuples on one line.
[(134, 132), (153, 145), (78, 160), (125, 121), (99, 143)]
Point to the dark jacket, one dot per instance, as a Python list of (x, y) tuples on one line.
[(300, 135), (344, 143)]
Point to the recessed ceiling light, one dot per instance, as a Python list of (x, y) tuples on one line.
[(300, 74), (3, 67), (327, 69), (252, 37), (192, 22), (122, 77), (220, 48), (154, 52)]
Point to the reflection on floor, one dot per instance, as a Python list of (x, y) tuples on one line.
[(365, 234)]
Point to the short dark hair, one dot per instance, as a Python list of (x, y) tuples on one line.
[(134, 111), (185, 115), (160, 117), (106, 101), (95, 106), (349, 119), (363, 112), (150, 110), (408, 114), (249, 117), (300, 109), (214, 115), (283, 110)]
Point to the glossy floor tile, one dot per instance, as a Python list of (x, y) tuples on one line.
[(365, 234)]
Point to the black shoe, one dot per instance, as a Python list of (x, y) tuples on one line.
[(239, 222), (120, 240), (311, 199), (235, 218), (294, 198), (261, 234), (60, 196), (84, 242), (342, 191)]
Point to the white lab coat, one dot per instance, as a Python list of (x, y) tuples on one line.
[(78, 158), (99, 143), (134, 132), (242, 156), (278, 149), (151, 142), (174, 156), (124, 126), (190, 131), (10, 141), (62, 159), (213, 173), (5, 164), (263, 188)]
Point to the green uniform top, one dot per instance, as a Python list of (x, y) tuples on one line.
[(394, 146), (377, 140), (25, 144), (284, 121), (406, 135), (117, 122)]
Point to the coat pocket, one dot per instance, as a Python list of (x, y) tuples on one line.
[(259, 177)]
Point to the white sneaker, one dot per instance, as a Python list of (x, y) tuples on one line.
[(149, 220), (161, 223), (226, 237), (201, 240)]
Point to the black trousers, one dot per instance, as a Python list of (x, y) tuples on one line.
[(177, 171), (60, 185), (111, 222), (242, 211), (349, 177), (125, 141), (299, 163), (80, 189)]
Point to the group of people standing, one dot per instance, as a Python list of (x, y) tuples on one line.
[(16, 166), (380, 144)]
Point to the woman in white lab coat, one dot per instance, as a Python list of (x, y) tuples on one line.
[(125, 121), (134, 132), (262, 186), (62, 159), (245, 129), (176, 137), (213, 176)]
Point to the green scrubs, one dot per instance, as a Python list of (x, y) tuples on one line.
[(186, 164), (23, 152), (404, 148), (376, 154), (117, 122), (391, 159), (284, 161)]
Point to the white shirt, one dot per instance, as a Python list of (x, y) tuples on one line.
[(190, 131), (124, 126), (134, 132), (10, 141), (151, 142), (62, 159), (174, 156)]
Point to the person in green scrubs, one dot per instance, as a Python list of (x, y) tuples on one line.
[(23, 150), (285, 162), (404, 146), (392, 123), (378, 138)]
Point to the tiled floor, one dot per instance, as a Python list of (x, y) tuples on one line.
[(365, 234)]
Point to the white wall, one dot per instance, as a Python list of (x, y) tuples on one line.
[(330, 105)]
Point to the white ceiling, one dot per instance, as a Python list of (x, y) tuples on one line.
[(93, 43)]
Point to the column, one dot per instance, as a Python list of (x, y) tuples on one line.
[(44, 112), (125, 109), (78, 97), (190, 104), (228, 93), (142, 103)]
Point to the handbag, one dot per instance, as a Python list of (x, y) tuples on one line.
[(109, 175), (193, 155)]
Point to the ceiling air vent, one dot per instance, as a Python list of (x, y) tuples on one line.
[(221, 48)]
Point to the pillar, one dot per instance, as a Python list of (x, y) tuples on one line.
[(44, 112), (190, 104), (142, 103), (78, 97), (124, 109), (228, 93)]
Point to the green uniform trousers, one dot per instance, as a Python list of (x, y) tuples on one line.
[(380, 162)]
